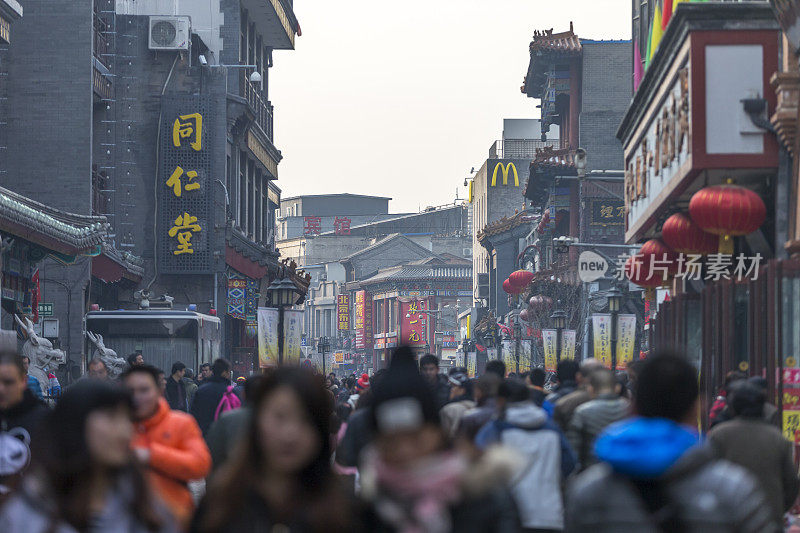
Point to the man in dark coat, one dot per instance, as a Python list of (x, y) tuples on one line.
[(208, 395), (752, 442), (429, 367), (176, 389), (20, 416)]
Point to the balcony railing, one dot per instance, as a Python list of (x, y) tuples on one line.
[(519, 148), (101, 44), (262, 108)]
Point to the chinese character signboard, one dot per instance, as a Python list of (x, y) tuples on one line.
[(343, 312), (312, 225), (608, 213), (602, 338), (267, 337), (414, 324), (292, 324), (341, 226), (549, 339), (626, 337), (184, 185), (363, 320), (568, 344), (472, 364), (791, 401), (237, 292)]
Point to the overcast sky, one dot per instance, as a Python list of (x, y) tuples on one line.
[(401, 98)]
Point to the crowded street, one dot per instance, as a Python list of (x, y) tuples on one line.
[(591, 326)]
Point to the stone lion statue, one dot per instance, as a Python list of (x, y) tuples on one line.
[(115, 364), (41, 353)]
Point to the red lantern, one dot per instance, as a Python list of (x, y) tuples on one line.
[(521, 278), (523, 315), (539, 302), (658, 256), (510, 288), (639, 273), (682, 235), (728, 211)]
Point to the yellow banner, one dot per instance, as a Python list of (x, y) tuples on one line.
[(292, 325), (267, 337), (550, 340), (568, 337), (602, 339), (471, 364), (626, 338)]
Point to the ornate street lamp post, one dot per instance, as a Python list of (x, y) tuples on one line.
[(282, 293), (614, 296), (559, 319)]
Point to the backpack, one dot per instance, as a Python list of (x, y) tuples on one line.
[(228, 402)]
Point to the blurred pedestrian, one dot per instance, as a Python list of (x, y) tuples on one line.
[(162, 381), (535, 381), (771, 415), (190, 385), (720, 402), (280, 479), (605, 407), (460, 402), (566, 372), (496, 367), (655, 475), (167, 442), (748, 440), (485, 390), (33, 382), (525, 427), (411, 480), (135, 359), (226, 432), (358, 433), (565, 406), (204, 373), (98, 370), (176, 390), (429, 367), (21, 415), (85, 477), (207, 399)]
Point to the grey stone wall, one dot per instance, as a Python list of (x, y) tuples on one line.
[(606, 94)]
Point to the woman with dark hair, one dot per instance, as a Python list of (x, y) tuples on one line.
[(280, 476), (85, 477)]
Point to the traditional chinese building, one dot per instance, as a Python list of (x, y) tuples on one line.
[(416, 304), (696, 138), (157, 117)]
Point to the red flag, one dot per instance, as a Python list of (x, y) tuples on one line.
[(638, 67), (667, 14)]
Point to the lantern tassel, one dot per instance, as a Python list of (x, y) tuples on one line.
[(726, 244)]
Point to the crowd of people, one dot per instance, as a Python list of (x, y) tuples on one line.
[(408, 449)]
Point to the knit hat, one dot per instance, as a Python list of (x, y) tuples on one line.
[(403, 400), (458, 379), (363, 382)]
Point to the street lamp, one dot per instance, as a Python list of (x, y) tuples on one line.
[(282, 293), (614, 296), (518, 337), (559, 319), (323, 346)]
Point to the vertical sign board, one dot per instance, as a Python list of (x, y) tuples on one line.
[(568, 337), (414, 323), (363, 323), (185, 185), (343, 312), (472, 364), (602, 338), (626, 338), (549, 339), (267, 337), (292, 324)]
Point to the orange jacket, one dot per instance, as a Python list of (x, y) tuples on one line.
[(178, 454)]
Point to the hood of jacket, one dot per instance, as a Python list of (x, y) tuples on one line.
[(644, 448), (525, 415)]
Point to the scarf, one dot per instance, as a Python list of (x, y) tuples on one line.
[(418, 499)]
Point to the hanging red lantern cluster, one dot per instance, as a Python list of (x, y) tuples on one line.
[(523, 315), (684, 236), (639, 273), (728, 211), (508, 287)]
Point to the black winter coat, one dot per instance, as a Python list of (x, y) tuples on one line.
[(206, 400), (176, 395)]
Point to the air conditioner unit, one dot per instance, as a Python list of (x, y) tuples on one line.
[(170, 33)]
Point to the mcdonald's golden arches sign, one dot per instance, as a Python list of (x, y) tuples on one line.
[(505, 170)]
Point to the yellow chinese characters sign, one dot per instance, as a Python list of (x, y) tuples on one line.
[(188, 127), (602, 339)]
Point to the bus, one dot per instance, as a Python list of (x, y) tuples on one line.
[(163, 337)]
